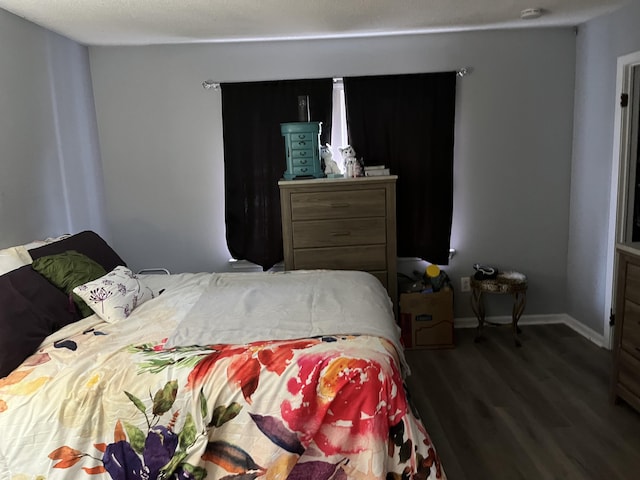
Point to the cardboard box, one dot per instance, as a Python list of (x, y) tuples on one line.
[(426, 319)]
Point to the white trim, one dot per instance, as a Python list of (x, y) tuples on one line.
[(588, 333), (617, 198)]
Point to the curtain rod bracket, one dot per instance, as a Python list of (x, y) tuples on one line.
[(464, 71), (210, 84)]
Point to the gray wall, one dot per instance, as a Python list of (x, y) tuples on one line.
[(600, 43), (50, 176), (161, 144)]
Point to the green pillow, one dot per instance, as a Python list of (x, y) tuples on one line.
[(68, 270)]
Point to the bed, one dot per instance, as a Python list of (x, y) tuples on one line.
[(294, 375)]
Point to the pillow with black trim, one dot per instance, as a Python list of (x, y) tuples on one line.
[(68, 270), (116, 295), (31, 308), (88, 243)]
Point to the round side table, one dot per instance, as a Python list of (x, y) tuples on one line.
[(512, 283)]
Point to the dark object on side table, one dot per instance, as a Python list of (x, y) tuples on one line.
[(484, 272)]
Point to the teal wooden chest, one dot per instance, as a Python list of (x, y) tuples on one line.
[(302, 147)]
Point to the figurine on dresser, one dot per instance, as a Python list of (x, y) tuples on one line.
[(352, 166), (331, 169)]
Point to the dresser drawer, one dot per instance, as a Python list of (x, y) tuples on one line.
[(302, 154), (631, 328), (338, 232), (338, 204), (302, 161), (301, 144), (629, 373), (302, 137), (301, 170), (632, 290), (369, 258)]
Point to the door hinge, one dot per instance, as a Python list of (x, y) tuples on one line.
[(612, 319), (624, 100)]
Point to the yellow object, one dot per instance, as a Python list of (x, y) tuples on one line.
[(433, 271)]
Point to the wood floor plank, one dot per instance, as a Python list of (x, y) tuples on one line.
[(541, 411)]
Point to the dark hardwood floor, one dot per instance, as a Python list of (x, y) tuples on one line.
[(537, 412)]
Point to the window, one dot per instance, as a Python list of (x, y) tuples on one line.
[(254, 159), (402, 121), (406, 122), (339, 135)]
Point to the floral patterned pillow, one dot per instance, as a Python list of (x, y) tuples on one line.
[(115, 295)]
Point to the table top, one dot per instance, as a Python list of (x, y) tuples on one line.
[(504, 282)]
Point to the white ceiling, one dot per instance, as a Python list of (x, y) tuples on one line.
[(139, 22)]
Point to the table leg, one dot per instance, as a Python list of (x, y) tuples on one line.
[(477, 305), (519, 302)]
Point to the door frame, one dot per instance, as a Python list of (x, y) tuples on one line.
[(619, 182)]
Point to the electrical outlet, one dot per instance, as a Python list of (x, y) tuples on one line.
[(465, 284)]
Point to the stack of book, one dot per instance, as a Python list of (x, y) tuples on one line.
[(375, 170)]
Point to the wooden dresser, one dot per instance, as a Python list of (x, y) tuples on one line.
[(626, 347), (341, 224)]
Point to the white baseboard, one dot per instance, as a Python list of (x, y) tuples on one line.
[(585, 331), (588, 333)]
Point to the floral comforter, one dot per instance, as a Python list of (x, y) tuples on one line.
[(102, 401)]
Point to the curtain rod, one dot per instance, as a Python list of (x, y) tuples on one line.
[(212, 85)]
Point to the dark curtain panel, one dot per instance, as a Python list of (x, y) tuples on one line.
[(254, 159), (406, 122)]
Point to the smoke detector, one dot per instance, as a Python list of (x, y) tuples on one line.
[(530, 13)]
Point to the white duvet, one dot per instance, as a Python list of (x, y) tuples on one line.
[(62, 412), (238, 308)]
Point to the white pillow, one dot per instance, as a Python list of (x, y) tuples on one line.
[(12, 258), (115, 295)]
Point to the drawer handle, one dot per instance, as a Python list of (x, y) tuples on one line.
[(340, 234), (302, 153), (302, 144), (301, 135), (304, 169), (339, 205), (303, 162)]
